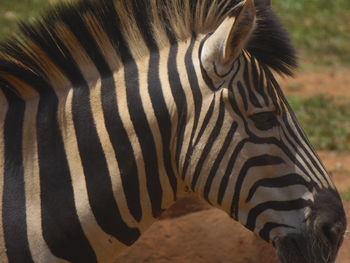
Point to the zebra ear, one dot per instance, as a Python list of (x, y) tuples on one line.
[(240, 32), (228, 40)]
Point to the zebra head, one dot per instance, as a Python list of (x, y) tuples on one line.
[(254, 160)]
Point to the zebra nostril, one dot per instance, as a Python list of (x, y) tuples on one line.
[(333, 233), (330, 233), (328, 218)]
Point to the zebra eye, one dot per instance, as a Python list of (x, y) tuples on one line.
[(264, 120)]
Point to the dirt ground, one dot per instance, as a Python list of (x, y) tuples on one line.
[(308, 84), (193, 232)]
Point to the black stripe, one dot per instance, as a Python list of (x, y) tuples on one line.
[(229, 169), (95, 166), (162, 114), (141, 125), (144, 133), (235, 108), (238, 147), (254, 75), (61, 227), (258, 80), (197, 97), (179, 97), (118, 135), (258, 161), (256, 140), (262, 86), (123, 149), (298, 152), (298, 127), (282, 181), (218, 159), (14, 203), (285, 150), (70, 68), (248, 85), (301, 145), (272, 92), (96, 172), (210, 142), (273, 96), (205, 123), (50, 147), (243, 94), (126, 161), (144, 23), (274, 205)]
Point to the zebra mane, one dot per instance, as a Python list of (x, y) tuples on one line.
[(133, 28)]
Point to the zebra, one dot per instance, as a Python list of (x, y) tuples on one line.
[(113, 109)]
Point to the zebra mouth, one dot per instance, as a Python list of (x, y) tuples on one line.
[(305, 248)]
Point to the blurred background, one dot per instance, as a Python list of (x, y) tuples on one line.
[(320, 95)]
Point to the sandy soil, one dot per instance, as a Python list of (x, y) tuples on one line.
[(193, 232), (336, 84), (209, 236)]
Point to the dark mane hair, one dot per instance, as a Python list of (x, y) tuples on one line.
[(133, 28), (270, 42)]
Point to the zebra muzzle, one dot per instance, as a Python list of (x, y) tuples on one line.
[(320, 242)]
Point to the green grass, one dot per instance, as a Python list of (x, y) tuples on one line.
[(326, 123), (320, 29), (346, 195), (11, 11)]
